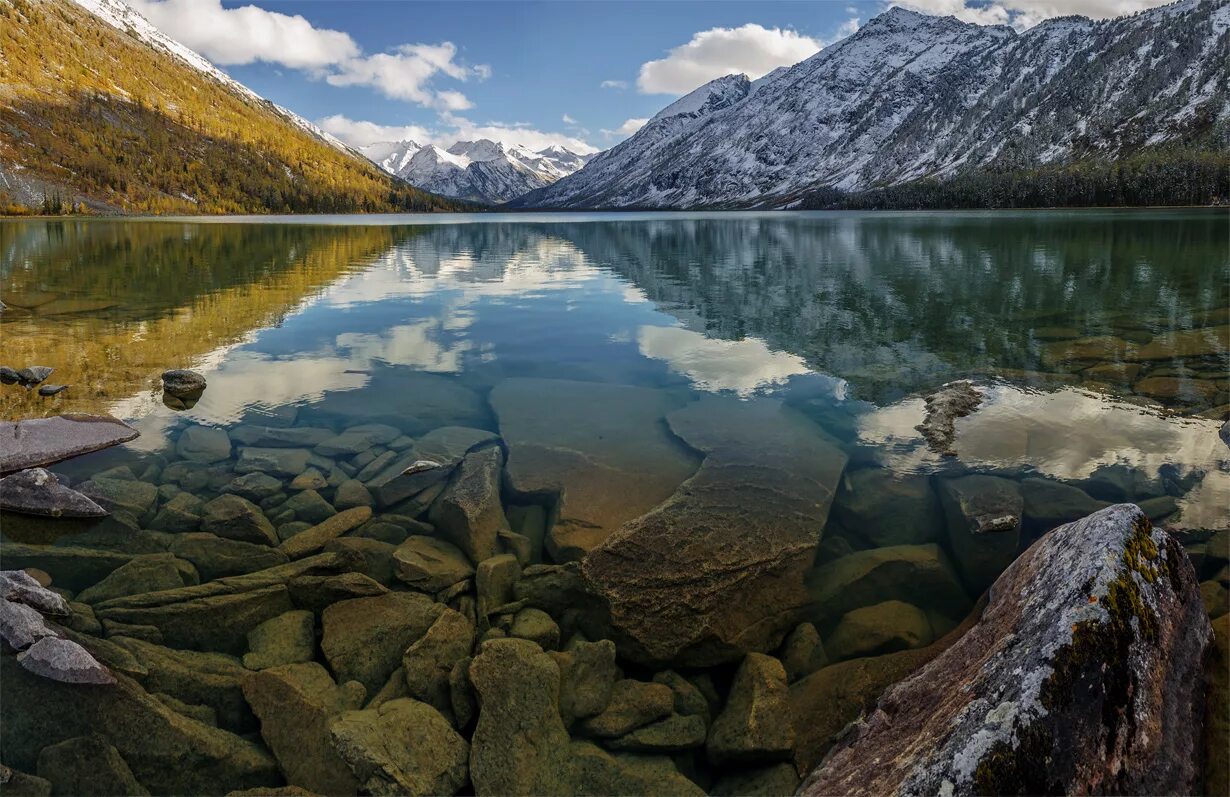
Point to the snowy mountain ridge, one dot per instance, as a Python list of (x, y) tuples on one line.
[(482, 170), (910, 95)]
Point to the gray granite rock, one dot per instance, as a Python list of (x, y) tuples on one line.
[(1082, 675), (36, 491), (182, 382), (65, 661)]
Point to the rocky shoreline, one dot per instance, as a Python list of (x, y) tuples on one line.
[(428, 606)]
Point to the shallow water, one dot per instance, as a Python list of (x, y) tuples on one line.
[(1099, 339)]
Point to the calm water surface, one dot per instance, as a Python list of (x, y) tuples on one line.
[(1100, 340)]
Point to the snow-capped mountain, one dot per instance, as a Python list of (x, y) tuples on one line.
[(482, 171), (910, 95)]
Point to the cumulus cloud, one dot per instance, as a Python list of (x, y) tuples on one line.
[(232, 36), (568, 120), (615, 84), (751, 49), (359, 133), (404, 74), (1023, 14), (453, 128), (626, 129), (244, 35)]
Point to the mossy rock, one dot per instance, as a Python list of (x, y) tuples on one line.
[(587, 676), (148, 573), (428, 662), (87, 766), (883, 628), (286, 639), (774, 780), (364, 638), (918, 574), (751, 726)]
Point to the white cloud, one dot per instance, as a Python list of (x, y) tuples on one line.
[(359, 133), (615, 84), (404, 74), (1023, 14), (568, 120), (629, 127), (751, 49), (246, 34)]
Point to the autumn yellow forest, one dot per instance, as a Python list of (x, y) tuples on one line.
[(101, 120)]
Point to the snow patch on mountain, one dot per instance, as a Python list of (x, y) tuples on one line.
[(481, 171)]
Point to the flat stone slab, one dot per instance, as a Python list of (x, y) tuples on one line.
[(42, 441), (718, 569), (603, 449)]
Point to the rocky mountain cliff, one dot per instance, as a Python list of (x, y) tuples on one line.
[(910, 96), (482, 171)]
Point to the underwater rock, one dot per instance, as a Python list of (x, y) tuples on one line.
[(1048, 503), (310, 506), (984, 525), (752, 725), (21, 626), (153, 739), (182, 382), (20, 784), (1083, 675), (536, 626), (87, 765), (429, 564), (429, 462), (295, 704), (520, 746), (1217, 714), (203, 444), (802, 652), (214, 623), (675, 734), (313, 539), (42, 441), (236, 518), (280, 436), (883, 628), (215, 557), (350, 494), (1199, 342), (146, 573), (180, 514), (910, 573), (494, 581), (316, 593), (272, 461), (468, 513), (135, 499), (71, 567), (364, 638), (31, 375), (22, 587), (404, 747), (428, 662), (601, 448), (593, 770), (953, 400), (887, 508), (254, 486), (310, 479), (718, 569), (631, 705), (587, 678), (37, 492), (196, 678), (774, 780), (286, 639)]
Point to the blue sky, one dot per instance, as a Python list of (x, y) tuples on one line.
[(581, 74)]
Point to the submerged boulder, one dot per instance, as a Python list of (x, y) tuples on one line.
[(87, 765), (984, 525), (911, 573), (602, 449), (364, 638), (718, 569), (1083, 675), (468, 513), (753, 725)]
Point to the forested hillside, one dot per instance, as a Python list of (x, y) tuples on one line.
[(1165, 176), (90, 114)]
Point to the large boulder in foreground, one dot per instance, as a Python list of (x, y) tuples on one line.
[(601, 448), (717, 570), (1082, 676)]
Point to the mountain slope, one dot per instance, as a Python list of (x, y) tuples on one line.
[(482, 171), (97, 106), (911, 96)]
